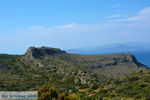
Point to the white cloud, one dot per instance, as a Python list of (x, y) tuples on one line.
[(42, 28), (141, 15), (136, 18), (115, 16), (145, 12), (67, 26)]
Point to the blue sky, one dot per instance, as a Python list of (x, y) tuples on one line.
[(72, 23)]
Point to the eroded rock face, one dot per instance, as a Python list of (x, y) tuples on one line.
[(33, 55), (38, 52), (85, 78)]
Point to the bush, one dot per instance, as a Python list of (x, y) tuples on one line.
[(47, 93), (134, 78)]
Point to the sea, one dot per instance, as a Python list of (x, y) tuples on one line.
[(143, 57)]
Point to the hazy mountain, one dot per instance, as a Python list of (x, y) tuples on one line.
[(112, 48)]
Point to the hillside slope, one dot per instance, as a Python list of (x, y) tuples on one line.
[(42, 65), (135, 86)]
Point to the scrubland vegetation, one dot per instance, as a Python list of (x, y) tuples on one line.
[(57, 75)]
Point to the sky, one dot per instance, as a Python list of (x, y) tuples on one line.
[(68, 24)]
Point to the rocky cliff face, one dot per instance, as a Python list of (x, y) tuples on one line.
[(34, 55), (38, 52)]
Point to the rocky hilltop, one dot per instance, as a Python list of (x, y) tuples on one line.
[(38, 52), (109, 65), (41, 65)]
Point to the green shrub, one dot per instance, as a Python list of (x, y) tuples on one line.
[(47, 93)]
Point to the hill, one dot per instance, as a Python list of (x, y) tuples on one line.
[(140, 50), (45, 65)]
